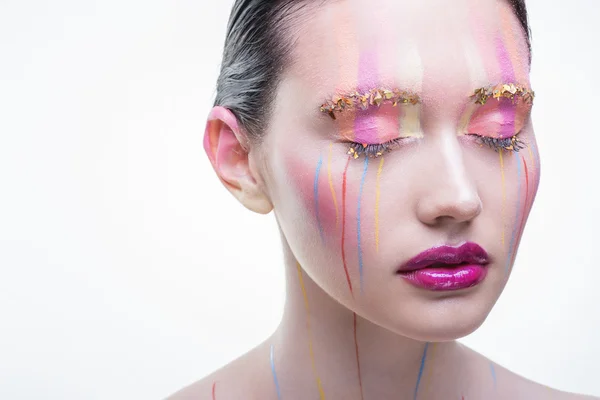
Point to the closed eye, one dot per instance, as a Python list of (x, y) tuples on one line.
[(512, 143), (372, 150)]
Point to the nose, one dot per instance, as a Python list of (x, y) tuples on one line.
[(450, 194)]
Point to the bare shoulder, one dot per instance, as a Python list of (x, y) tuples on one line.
[(533, 390), (510, 385), (243, 378)]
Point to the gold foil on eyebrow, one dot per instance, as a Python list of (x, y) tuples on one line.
[(511, 91), (374, 97)]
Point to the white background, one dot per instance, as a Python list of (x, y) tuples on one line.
[(127, 271)]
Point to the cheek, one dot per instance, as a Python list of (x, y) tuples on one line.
[(527, 173), (318, 183), (336, 194)]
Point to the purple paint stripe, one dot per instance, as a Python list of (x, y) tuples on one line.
[(506, 108), (365, 123)]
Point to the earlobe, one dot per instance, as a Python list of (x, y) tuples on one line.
[(228, 151)]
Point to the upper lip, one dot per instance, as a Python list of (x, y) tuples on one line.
[(470, 253)]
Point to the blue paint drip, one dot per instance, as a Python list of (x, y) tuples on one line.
[(516, 228), (316, 190), (421, 370), (493, 370), (275, 375), (360, 255)]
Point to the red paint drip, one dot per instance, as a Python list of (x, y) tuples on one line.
[(214, 387), (344, 226), (358, 361)]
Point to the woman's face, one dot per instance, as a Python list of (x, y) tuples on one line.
[(352, 223)]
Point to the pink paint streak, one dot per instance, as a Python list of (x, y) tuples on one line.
[(506, 108), (365, 124)]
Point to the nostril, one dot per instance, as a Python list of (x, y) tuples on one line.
[(439, 209)]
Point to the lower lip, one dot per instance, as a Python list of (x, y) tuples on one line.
[(449, 278)]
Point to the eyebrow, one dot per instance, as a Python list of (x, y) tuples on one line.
[(512, 91), (362, 100)]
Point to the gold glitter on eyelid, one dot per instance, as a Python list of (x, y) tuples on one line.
[(511, 91), (374, 97)]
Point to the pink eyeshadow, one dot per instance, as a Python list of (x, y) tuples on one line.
[(376, 125), (507, 110), (499, 119)]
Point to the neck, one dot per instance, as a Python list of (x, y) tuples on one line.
[(323, 347)]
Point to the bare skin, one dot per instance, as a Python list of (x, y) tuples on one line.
[(253, 381), (352, 327)]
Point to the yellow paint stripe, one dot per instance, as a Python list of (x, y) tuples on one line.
[(377, 197), (331, 185), (503, 198), (310, 343)]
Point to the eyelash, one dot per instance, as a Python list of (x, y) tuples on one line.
[(371, 150), (509, 144), (356, 149)]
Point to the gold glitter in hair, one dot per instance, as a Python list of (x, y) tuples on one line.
[(507, 90), (374, 97)]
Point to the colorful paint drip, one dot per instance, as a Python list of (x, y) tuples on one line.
[(358, 360), (377, 198), (309, 333), (344, 184), (421, 368), (512, 244), (503, 200), (331, 188), (275, 380), (358, 222), (493, 371)]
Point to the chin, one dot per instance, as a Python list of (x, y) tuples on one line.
[(444, 320), (446, 330)]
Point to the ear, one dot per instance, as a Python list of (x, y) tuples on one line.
[(226, 146)]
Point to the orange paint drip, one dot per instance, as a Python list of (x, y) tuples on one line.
[(309, 333), (331, 188), (377, 197), (358, 361)]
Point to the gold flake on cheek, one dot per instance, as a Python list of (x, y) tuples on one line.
[(507, 90), (374, 97)]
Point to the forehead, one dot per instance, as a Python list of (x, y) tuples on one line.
[(434, 47)]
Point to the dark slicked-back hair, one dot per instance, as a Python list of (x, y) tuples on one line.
[(257, 48)]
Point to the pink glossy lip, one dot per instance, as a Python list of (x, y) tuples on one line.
[(447, 268)]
